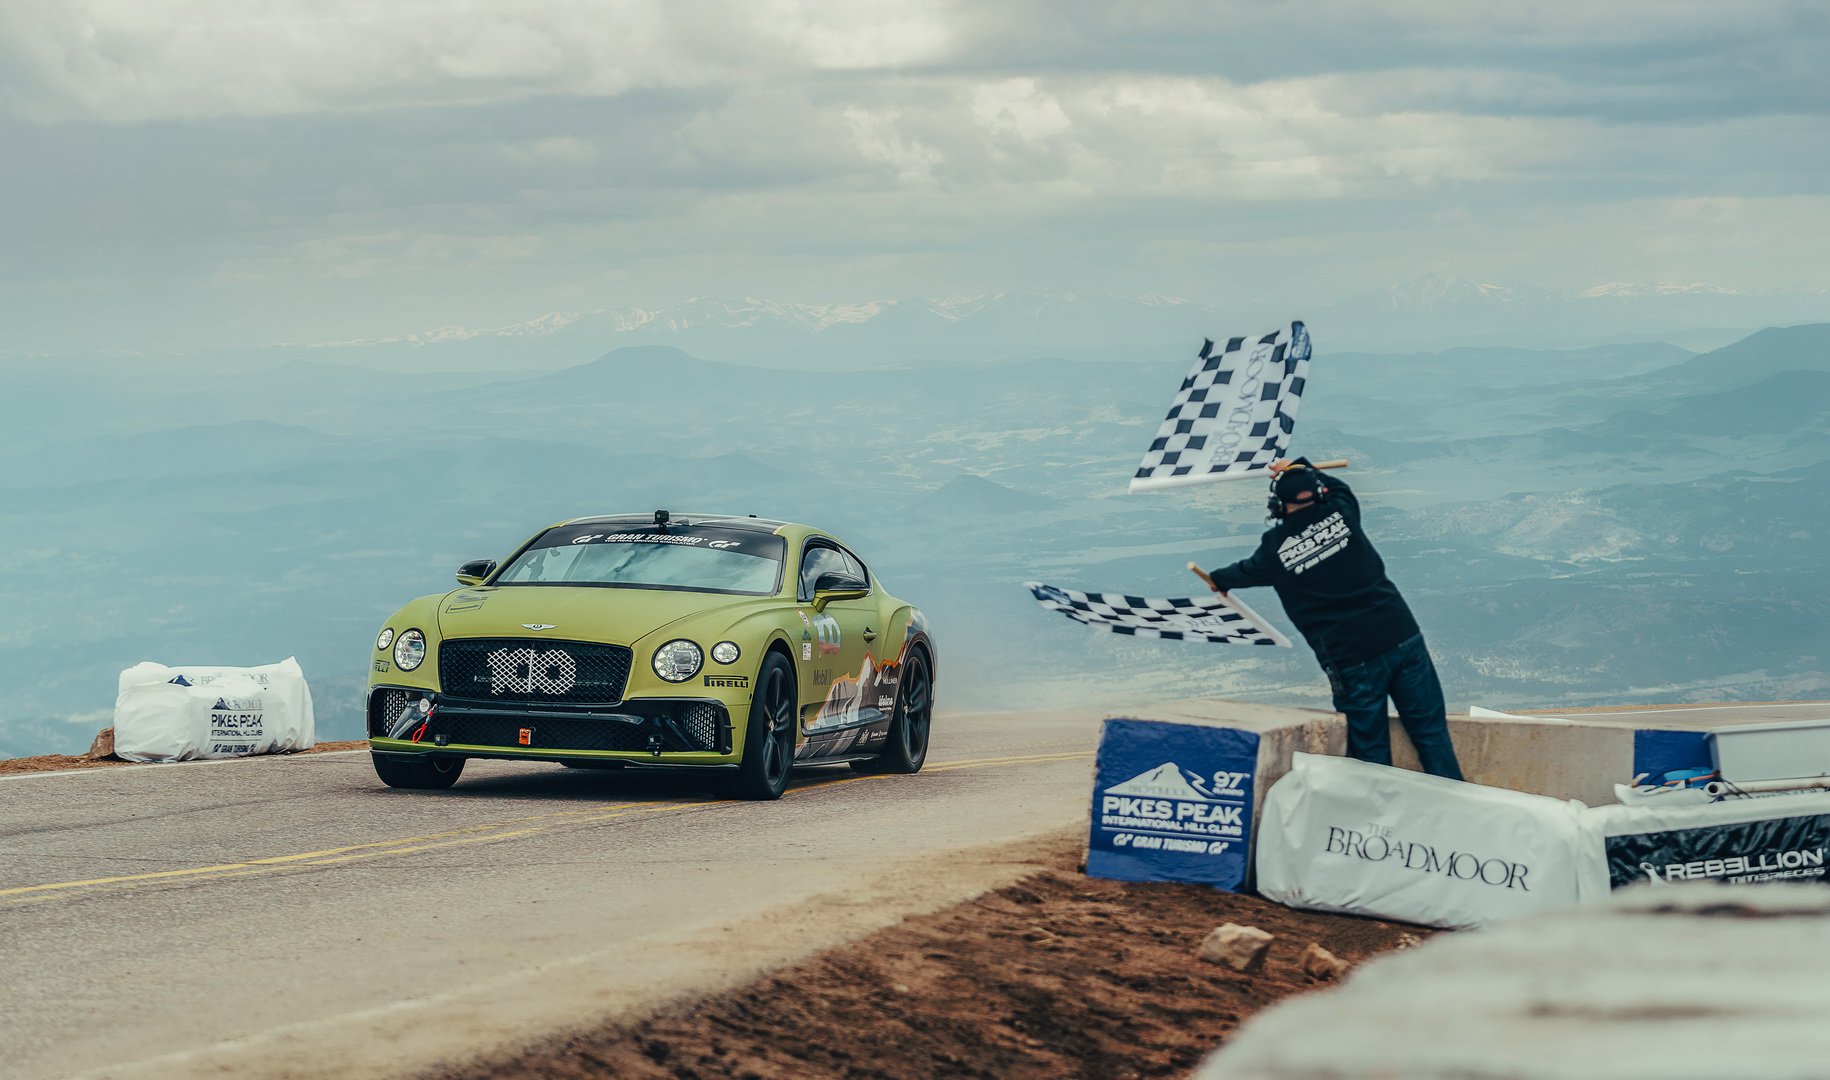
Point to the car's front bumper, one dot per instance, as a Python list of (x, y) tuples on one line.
[(672, 731)]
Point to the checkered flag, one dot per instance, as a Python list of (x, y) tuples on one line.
[(1219, 619), (1233, 415)]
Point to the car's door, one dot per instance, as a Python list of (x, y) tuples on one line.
[(838, 643)]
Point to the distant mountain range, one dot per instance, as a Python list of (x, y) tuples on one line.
[(1573, 526), (1429, 311)]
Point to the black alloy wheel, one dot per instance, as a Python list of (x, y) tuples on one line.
[(908, 741), (424, 772), (768, 741)]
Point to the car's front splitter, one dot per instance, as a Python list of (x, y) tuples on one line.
[(405, 748)]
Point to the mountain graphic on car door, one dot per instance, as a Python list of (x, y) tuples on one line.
[(843, 669)]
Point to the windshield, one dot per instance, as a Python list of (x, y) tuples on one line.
[(683, 557)]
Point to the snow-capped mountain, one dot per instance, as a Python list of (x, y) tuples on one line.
[(1626, 290)]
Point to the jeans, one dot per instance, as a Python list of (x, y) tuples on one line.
[(1405, 674)]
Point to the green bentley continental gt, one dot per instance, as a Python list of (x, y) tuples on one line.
[(734, 645)]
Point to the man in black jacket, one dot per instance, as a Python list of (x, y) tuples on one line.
[(1333, 586)]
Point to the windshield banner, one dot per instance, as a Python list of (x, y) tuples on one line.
[(762, 545)]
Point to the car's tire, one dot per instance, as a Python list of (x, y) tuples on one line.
[(425, 771), (768, 736), (907, 746)]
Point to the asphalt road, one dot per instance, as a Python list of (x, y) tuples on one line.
[(292, 916)]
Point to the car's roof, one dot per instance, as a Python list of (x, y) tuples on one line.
[(684, 520)]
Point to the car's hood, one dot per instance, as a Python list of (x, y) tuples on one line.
[(618, 616)]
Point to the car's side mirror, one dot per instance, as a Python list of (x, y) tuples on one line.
[(837, 585), (474, 571)]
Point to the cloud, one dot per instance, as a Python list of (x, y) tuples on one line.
[(1621, 59), (213, 163), (138, 60)]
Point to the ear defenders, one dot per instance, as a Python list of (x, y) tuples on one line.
[(1274, 503)]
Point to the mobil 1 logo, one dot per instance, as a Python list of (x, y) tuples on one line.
[(1172, 802)]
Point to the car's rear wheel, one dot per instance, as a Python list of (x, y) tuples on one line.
[(907, 746), (424, 771), (768, 740)]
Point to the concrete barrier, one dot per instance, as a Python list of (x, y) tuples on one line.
[(1582, 753), (1690, 980), (1564, 759), (1174, 752)]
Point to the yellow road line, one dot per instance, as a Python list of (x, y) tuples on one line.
[(474, 834), (310, 856), (1022, 759)]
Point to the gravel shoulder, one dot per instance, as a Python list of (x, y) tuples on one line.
[(44, 763), (1055, 975)]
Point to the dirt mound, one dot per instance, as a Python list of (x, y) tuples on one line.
[(1059, 975)]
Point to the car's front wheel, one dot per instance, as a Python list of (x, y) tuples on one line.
[(768, 739), (422, 771)]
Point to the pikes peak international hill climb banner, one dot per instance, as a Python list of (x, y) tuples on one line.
[(1214, 618), (1172, 802), (184, 713), (1233, 414)]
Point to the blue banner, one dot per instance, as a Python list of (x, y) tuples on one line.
[(1172, 802), (1657, 752)]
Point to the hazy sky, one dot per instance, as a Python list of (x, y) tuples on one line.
[(190, 172)]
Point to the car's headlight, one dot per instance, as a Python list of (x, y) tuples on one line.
[(726, 652), (410, 650), (386, 639), (678, 661)]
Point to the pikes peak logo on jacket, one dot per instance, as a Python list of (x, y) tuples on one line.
[(1377, 844), (1317, 542)]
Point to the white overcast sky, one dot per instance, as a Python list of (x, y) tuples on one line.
[(178, 173)]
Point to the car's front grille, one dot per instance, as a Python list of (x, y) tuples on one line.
[(385, 706), (702, 721), (534, 672)]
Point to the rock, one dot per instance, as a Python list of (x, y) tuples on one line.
[(1241, 948), (1320, 964), (103, 746)]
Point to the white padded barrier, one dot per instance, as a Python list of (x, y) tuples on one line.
[(1342, 835), (183, 713)]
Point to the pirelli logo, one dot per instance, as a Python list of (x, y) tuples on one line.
[(736, 682)]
